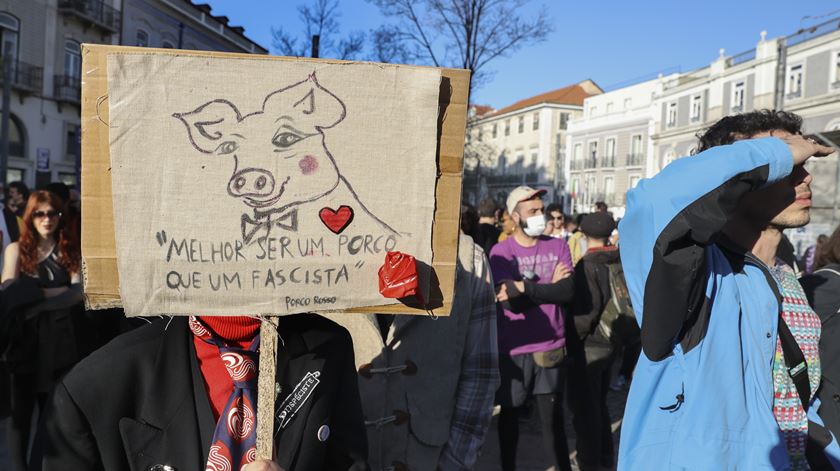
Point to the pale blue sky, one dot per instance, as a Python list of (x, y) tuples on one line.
[(609, 41)]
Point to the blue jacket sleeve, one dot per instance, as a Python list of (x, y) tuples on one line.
[(672, 217)]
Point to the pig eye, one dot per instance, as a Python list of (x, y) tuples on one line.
[(285, 139), (227, 147)]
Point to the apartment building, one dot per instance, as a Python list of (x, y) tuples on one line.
[(799, 72), (522, 144), (609, 145), (42, 41)]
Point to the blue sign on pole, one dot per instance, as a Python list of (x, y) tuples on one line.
[(43, 160)]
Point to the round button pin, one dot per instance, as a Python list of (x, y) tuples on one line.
[(323, 433)]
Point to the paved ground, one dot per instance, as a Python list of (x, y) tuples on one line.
[(531, 455)]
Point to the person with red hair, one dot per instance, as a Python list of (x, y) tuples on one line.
[(45, 263)]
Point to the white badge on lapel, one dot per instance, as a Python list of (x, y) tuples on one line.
[(292, 404)]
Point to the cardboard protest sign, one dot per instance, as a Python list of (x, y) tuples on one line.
[(245, 185)]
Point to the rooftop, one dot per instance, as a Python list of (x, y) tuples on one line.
[(569, 95), (238, 30)]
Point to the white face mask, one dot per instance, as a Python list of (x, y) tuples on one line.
[(534, 225)]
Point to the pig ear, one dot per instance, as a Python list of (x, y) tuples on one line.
[(311, 103), (209, 124)]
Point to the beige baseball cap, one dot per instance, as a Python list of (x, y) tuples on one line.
[(519, 194)]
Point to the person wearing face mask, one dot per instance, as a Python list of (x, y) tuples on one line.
[(532, 273)]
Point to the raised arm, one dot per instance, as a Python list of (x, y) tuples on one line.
[(670, 220)]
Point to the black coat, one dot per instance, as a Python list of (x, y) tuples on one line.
[(823, 291), (140, 402)]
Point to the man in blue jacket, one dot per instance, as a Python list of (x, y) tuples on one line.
[(730, 366)]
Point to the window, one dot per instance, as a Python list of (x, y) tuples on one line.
[(142, 38), (167, 45), (68, 179), (794, 81), (536, 123), (609, 187), (578, 151), (593, 154), (628, 103), (521, 126), (696, 108), (609, 157), (495, 130), (671, 119), (669, 157), (72, 59), (636, 144), (609, 107), (480, 134), (14, 175), (738, 97), (634, 180), (9, 27), (564, 120), (17, 143), (534, 158), (593, 110), (71, 140), (507, 127)]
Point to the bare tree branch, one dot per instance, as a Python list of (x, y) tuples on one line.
[(319, 18), (459, 33), (352, 46)]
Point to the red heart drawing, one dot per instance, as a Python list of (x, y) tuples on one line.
[(336, 221)]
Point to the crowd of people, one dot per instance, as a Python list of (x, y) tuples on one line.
[(564, 320), (693, 299)]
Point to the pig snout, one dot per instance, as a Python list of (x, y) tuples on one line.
[(251, 182)]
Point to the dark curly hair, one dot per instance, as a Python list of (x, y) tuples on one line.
[(746, 125)]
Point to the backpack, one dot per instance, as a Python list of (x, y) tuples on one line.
[(618, 321)]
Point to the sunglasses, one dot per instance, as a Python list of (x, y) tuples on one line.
[(46, 214)]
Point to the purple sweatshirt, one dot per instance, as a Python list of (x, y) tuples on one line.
[(539, 328)]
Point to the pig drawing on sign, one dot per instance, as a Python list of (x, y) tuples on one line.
[(282, 169)]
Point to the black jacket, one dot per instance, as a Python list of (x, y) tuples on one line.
[(823, 291), (140, 402)]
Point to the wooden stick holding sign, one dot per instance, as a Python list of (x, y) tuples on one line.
[(266, 388)]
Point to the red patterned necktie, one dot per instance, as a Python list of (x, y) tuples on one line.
[(235, 437)]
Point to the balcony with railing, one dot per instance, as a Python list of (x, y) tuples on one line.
[(25, 78), (635, 160), (513, 178), (741, 58), (95, 12), (590, 162), (68, 89), (608, 161), (806, 34)]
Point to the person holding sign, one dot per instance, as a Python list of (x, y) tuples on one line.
[(180, 394), (532, 273)]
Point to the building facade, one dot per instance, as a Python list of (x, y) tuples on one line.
[(608, 146), (798, 73), (42, 40), (522, 144)]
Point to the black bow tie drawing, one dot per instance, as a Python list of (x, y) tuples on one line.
[(251, 226)]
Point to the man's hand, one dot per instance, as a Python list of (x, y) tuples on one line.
[(509, 289), (561, 272), (803, 149), (501, 293), (262, 465)]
